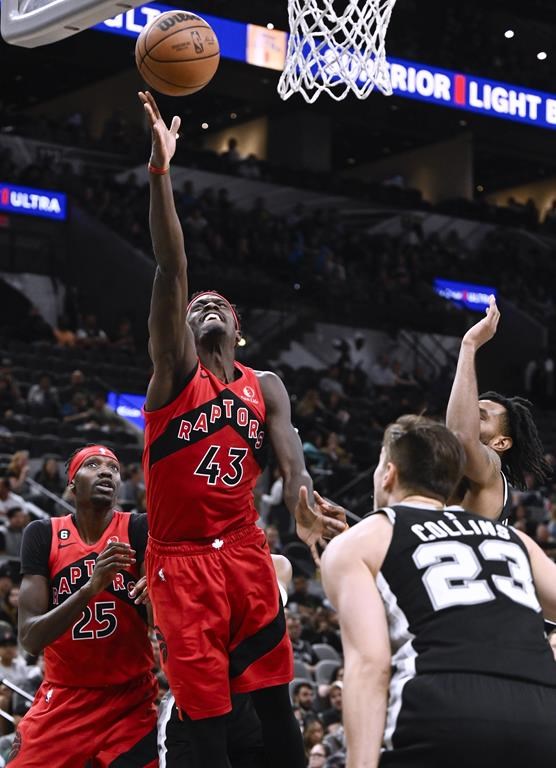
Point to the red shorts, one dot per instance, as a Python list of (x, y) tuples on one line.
[(67, 727), (219, 619)]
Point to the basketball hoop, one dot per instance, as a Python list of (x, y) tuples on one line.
[(336, 53)]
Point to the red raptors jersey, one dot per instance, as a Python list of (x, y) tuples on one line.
[(203, 454), (109, 643)]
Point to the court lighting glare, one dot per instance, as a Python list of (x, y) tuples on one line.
[(270, 25), (542, 55), (204, 126), (509, 33)]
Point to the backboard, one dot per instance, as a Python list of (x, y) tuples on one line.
[(31, 23)]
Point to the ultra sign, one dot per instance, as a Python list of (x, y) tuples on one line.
[(32, 202), (409, 79)]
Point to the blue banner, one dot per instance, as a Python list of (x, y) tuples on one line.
[(256, 45), (128, 406), (33, 202), (464, 295)]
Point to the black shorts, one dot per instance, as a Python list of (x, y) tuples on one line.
[(460, 720), (243, 728)]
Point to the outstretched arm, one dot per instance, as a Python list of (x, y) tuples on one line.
[(463, 415), (298, 486), (171, 344), (350, 586)]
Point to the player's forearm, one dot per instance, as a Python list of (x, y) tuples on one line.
[(292, 483), (37, 632), (462, 414), (365, 695), (165, 227)]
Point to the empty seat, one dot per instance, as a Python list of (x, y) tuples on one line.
[(300, 669), (325, 669), (325, 651)]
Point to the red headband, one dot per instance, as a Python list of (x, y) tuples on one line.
[(214, 293), (84, 454)]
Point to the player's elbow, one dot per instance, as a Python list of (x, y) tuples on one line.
[(28, 640)]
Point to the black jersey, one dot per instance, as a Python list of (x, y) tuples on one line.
[(459, 597)]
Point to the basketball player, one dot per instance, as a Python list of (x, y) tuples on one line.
[(207, 422), (97, 701), (448, 603), (498, 433)]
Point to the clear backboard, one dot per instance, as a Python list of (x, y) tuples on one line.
[(31, 23)]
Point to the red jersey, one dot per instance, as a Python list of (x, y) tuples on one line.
[(109, 643), (203, 454)]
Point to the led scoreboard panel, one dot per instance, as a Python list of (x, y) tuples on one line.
[(259, 46)]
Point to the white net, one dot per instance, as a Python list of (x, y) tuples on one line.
[(336, 52)]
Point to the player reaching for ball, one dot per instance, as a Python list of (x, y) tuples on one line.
[(208, 420), (498, 433)]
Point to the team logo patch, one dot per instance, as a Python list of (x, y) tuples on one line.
[(112, 539), (249, 394), (16, 746), (64, 534), (49, 694)]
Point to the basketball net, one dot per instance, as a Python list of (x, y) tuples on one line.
[(336, 53)]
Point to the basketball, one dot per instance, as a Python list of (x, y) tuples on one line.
[(177, 53)]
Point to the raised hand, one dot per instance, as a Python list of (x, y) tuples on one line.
[(316, 527), (115, 557), (485, 329), (163, 138)]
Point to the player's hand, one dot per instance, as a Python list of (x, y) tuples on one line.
[(312, 526), (163, 138), (485, 329), (117, 556), (334, 512), (140, 592)]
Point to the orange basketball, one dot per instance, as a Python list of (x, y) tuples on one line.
[(177, 53)]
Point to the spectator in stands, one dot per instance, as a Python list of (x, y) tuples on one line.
[(6, 582), (318, 755), (132, 486), (50, 477), (101, 415), (9, 607), (17, 471), (313, 734), (123, 338), (302, 650), (304, 698), (381, 373), (9, 499), (332, 717), (89, 334), (78, 410), (274, 498), (10, 395), (77, 383), (323, 630), (300, 594), (63, 333), (42, 398), (250, 168), (231, 157), (13, 666), (273, 539), (330, 382), (141, 502), (11, 536), (309, 407)]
